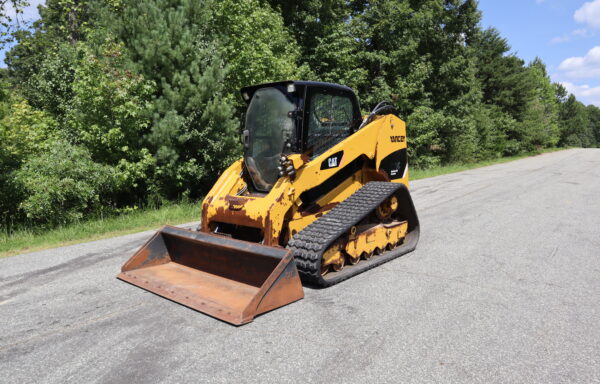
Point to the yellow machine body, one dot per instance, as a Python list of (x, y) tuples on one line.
[(347, 204), (277, 214)]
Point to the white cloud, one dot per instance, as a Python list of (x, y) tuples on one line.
[(584, 67), (585, 93), (560, 39), (582, 32), (589, 14)]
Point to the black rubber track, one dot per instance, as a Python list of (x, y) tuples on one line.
[(309, 244)]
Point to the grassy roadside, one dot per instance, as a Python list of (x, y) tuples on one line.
[(416, 174), (34, 240), (22, 241)]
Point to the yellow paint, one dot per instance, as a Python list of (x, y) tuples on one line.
[(278, 210), (380, 236), (333, 256)]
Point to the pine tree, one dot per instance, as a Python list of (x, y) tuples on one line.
[(594, 118), (575, 124), (193, 129)]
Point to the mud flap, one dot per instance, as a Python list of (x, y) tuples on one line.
[(229, 279)]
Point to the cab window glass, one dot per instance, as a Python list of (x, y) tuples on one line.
[(329, 122)]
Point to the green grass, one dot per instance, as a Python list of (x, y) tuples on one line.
[(416, 174), (28, 240)]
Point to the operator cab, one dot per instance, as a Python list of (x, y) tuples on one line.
[(293, 117)]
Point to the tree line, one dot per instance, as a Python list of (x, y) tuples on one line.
[(110, 105)]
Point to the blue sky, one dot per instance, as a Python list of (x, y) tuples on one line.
[(29, 14), (564, 33)]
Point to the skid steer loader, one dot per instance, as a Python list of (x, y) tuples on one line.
[(321, 194)]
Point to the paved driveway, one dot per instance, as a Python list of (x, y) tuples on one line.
[(504, 287)]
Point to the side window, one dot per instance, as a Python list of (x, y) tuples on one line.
[(329, 122)]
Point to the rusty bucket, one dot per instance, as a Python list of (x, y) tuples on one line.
[(229, 279)]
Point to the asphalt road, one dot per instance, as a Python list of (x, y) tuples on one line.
[(504, 287)]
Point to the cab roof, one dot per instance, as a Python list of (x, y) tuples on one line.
[(251, 89)]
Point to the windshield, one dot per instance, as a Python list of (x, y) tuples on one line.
[(268, 126)]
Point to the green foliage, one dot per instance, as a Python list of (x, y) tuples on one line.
[(66, 20), (524, 93), (540, 120), (193, 130), (593, 113), (423, 129), (111, 105), (61, 21), (420, 46), (273, 54), (25, 131), (492, 124), (63, 184), (8, 21), (50, 87), (575, 124), (336, 57), (503, 76), (310, 21), (107, 113)]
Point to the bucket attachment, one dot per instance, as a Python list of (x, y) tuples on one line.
[(229, 279)]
